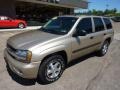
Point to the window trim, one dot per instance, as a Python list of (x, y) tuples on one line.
[(105, 28)]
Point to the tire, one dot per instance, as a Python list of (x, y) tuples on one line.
[(104, 48), (51, 69), (21, 25)]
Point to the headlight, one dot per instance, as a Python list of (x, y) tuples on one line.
[(24, 55)]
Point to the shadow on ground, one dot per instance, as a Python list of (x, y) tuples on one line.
[(81, 59), (30, 82)]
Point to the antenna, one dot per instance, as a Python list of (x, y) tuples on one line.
[(107, 5)]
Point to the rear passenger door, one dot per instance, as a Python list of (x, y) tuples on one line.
[(108, 26), (99, 30)]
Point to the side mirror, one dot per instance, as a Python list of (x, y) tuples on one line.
[(83, 33), (10, 19), (80, 33), (75, 34)]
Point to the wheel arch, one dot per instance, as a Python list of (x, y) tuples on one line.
[(62, 53), (109, 39), (21, 23)]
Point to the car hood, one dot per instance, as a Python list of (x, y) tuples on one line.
[(31, 38)]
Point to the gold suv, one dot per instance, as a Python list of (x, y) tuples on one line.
[(45, 53)]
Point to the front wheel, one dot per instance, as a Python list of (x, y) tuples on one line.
[(104, 48), (51, 69), (21, 25)]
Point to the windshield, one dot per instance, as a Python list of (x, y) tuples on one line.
[(59, 25)]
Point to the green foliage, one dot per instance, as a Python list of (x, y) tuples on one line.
[(107, 12)]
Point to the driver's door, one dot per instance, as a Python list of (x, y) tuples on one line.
[(82, 45), (10, 22)]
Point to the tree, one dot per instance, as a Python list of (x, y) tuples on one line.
[(107, 12), (115, 10)]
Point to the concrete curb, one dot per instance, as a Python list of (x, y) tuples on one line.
[(25, 29)]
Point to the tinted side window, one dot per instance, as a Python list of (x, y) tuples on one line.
[(99, 26), (85, 24), (108, 23)]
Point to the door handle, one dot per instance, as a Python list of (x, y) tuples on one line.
[(91, 37), (105, 34)]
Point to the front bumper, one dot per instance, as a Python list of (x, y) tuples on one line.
[(25, 70)]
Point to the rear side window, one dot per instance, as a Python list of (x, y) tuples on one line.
[(99, 26), (107, 23), (85, 24)]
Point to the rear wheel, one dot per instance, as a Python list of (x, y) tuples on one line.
[(21, 25), (51, 69), (104, 48)]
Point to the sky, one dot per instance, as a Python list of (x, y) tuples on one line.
[(101, 4)]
